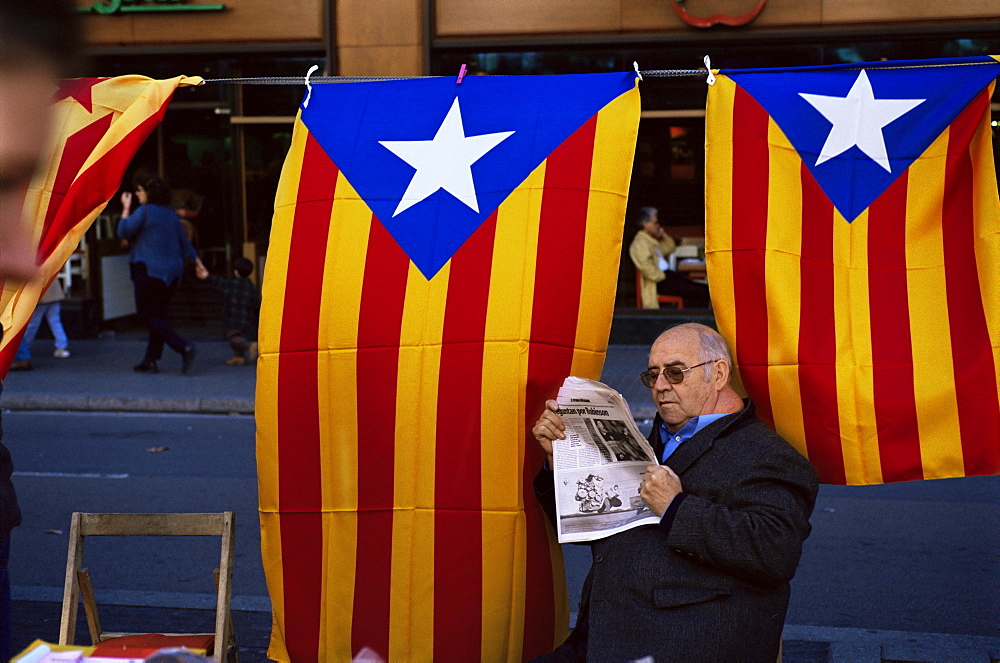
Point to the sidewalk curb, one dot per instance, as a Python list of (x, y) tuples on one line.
[(127, 404), (861, 645)]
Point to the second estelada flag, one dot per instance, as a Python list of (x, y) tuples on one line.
[(853, 242), (441, 257)]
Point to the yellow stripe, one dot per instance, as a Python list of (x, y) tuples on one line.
[(411, 624), (266, 402), (783, 282), (854, 351), (987, 228), (719, 211), (343, 277), (614, 150), (933, 370), (270, 547), (505, 352)]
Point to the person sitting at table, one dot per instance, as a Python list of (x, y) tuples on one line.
[(649, 251)]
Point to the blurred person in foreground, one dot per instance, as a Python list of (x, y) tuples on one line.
[(158, 248), (710, 581), (39, 43)]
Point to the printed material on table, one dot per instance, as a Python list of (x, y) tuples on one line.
[(599, 466), (40, 651)]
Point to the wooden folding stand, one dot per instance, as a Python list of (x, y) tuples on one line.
[(220, 645)]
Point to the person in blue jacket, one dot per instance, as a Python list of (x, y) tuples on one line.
[(158, 248)]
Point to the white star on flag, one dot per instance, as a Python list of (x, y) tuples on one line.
[(858, 119), (445, 162)]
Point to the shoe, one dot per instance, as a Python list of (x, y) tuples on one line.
[(253, 351), (20, 365), (146, 366), (187, 358), (236, 361), (61, 353)]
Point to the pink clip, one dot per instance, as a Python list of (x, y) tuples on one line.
[(461, 75)]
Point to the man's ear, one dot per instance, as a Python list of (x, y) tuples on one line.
[(721, 374)]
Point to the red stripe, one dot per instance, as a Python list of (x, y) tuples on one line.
[(817, 343), (892, 350), (975, 376), (76, 149), (9, 350), (458, 581), (558, 280), (98, 183), (749, 227), (380, 320), (299, 477)]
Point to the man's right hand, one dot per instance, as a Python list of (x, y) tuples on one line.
[(548, 428)]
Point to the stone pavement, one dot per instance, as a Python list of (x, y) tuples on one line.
[(99, 377)]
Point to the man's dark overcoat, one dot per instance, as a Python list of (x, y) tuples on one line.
[(711, 582)]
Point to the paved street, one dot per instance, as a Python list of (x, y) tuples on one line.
[(886, 566), (133, 463)]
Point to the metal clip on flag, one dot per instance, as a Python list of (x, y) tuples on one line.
[(309, 87)]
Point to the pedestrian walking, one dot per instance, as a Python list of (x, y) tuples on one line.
[(158, 248), (49, 309)]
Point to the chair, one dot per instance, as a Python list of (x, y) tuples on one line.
[(678, 302), (219, 645)]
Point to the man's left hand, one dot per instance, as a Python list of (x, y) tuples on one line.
[(659, 486)]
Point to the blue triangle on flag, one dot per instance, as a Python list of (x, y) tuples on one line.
[(351, 121), (937, 90)]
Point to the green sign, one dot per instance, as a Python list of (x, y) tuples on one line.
[(122, 6)]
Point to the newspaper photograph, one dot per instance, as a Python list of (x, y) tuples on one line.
[(599, 466)]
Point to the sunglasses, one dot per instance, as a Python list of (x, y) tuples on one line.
[(673, 374)]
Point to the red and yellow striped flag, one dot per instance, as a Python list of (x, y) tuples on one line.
[(402, 367), (99, 123), (853, 239)]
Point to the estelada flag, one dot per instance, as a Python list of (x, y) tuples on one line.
[(442, 256), (98, 125), (853, 243)]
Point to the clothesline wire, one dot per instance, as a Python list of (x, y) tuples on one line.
[(646, 73), (300, 80)]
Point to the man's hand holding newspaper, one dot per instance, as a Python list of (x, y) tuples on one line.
[(599, 458)]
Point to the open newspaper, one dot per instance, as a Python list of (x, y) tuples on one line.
[(598, 466)]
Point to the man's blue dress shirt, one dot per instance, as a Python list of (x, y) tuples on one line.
[(673, 440)]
